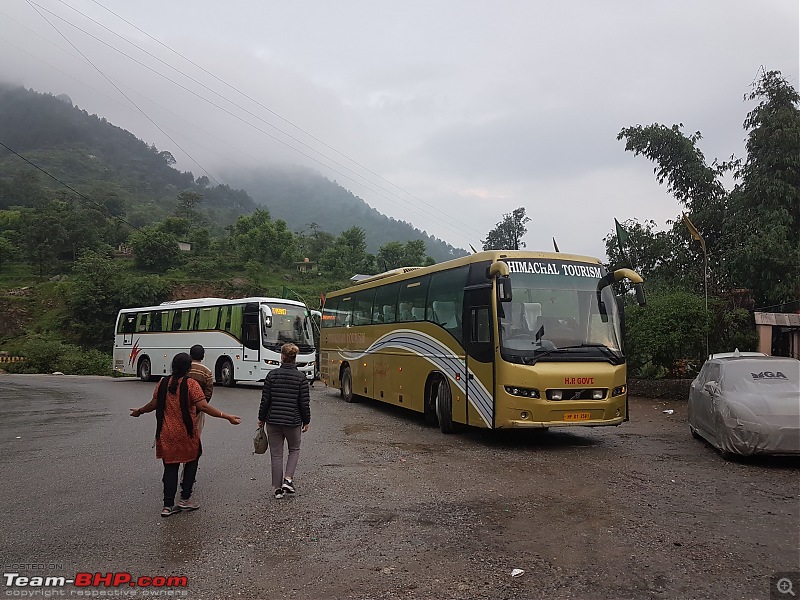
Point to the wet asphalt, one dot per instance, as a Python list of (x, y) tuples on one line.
[(386, 507)]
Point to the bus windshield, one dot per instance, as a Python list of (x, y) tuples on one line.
[(289, 324), (555, 315)]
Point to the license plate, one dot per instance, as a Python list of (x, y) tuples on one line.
[(577, 416)]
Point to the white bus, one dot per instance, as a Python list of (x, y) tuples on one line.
[(242, 338)]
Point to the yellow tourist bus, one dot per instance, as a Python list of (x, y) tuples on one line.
[(502, 338)]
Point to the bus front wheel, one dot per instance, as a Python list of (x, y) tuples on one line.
[(145, 370), (226, 374), (443, 402), (347, 385)]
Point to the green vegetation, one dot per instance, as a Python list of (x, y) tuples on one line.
[(134, 231), (751, 235)]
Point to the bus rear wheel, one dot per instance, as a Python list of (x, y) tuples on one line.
[(443, 403), (226, 374), (145, 370), (347, 385)]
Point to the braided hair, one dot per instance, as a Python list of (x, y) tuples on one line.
[(180, 367)]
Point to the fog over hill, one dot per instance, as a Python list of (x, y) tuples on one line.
[(85, 150)]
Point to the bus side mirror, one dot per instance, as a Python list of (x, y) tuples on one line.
[(638, 288), (504, 289), (266, 311), (499, 271)]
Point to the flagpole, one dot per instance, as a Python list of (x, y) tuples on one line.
[(696, 235)]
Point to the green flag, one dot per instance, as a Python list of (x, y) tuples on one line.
[(622, 237)]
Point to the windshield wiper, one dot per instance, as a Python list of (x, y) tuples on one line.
[(610, 354)]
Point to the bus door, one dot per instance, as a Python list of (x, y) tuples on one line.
[(251, 333), (478, 334)]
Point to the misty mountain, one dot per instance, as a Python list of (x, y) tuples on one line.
[(301, 196), (101, 160)]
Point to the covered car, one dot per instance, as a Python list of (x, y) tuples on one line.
[(747, 404)]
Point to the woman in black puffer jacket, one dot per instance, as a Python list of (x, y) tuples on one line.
[(286, 410)]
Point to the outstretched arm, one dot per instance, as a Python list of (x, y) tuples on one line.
[(205, 407)]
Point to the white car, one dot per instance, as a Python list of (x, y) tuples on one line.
[(747, 403)]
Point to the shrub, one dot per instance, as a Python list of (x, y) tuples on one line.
[(46, 355)]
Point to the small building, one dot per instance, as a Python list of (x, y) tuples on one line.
[(185, 246), (306, 266), (778, 333)]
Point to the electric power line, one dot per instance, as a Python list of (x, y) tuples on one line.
[(69, 187), (255, 101), (86, 58)]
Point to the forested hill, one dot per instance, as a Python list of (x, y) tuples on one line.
[(300, 197), (137, 181), (96, 158)]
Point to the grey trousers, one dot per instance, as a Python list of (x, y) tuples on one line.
[(277, 434)]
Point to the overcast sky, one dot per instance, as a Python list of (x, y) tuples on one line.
[(446, 114)]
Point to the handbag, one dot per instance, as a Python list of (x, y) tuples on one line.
[(260, 441)]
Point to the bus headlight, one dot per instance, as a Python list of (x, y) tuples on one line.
[(556, 395), (598, 394), (523, 392), (618, 391), (272, 362)]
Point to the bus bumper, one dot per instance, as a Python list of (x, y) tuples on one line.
[(588, 423)]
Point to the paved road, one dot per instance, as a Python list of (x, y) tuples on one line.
[(387, 508)]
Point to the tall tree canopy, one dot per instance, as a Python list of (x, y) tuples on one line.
[(762, 242), (508, 233), (752, 233)]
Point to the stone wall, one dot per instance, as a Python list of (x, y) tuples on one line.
[(668, 389)]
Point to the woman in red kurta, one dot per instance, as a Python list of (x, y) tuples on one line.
[(177, 401)]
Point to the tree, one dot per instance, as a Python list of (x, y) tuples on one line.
[(43, 235), (100, 290), (396, 254), (391, 256), (763, 220), (7, 251), (155, 250), (258, 237), (655, 255), (188, 201), (167, 157), (508, 233), (348, 255)]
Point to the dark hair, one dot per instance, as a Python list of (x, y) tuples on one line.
[(197, 352), (181, 364)]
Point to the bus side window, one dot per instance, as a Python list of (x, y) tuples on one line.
[(412, 299), (446, 299), (208, 318), (155, 321), (128, 323), (195, 319), (386, 301), (344, 316), (329, 312), (224, 319), (142, 321), (176, 319)]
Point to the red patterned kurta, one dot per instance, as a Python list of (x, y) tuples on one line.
[(174, 444)]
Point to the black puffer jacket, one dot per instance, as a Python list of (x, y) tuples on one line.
[(285, 398)]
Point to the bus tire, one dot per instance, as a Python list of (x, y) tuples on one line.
[(346, 382), (226, 377), (144, 370), (443, 403)]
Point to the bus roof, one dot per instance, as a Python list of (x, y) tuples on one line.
[(198, 302), (487, 255)]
